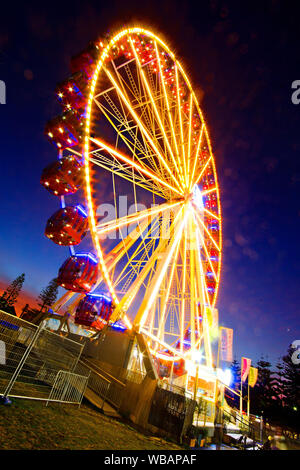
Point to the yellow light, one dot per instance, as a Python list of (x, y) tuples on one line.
[(126, 159)]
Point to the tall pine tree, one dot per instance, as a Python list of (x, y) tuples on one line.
[(263, 387), (48, 295), (9, 297), (278, 383), (292, 378)]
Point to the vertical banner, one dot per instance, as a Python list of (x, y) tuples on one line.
[(226, 344), (215, 320), (253, 372), (245, 367), (212, 315)]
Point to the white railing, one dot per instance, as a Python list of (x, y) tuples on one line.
[(68, 388)]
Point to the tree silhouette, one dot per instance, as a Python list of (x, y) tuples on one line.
[(292, 378), (48, 295), (264, 383), (9, 297), (278, 383)]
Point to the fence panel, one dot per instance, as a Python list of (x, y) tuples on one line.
[(108, 389), (31, 357), (68, 388)]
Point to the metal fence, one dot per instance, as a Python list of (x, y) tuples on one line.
[(107, 387), (68, 388), (31, 358)]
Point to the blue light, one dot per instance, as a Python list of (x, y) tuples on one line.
[(89, 255), (118, 326), (100, 296), (81, 209)]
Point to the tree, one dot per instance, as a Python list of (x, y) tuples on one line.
[(236, 375), (9, 297), (232, 398), (261, 394), (48, 295), (278, 383)]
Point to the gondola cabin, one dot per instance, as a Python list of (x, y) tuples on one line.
[(78, 273), (94, 311), (65, 130), (67, 226), (63, 177), (85, 61), (71, 93)]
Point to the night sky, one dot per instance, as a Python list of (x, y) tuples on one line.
[(242, 58)]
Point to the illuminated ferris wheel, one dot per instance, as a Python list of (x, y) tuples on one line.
[(132, 130)]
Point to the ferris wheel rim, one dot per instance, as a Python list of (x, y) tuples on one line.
[(88, 186)]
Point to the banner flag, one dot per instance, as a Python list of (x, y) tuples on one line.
[(253, 373), (212, 316), (226, 344), (246, 363)]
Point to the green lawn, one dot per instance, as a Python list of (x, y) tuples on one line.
[(31, 425)]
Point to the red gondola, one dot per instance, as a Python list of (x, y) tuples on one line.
[(65, 130), (71, 93), (86, 60), (78, 273), (94, 311), (67, 226), (64, 176)]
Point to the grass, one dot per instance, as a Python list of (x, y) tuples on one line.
[(29, 425)]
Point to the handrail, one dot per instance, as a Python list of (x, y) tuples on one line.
[(94, 371), (94, 367)]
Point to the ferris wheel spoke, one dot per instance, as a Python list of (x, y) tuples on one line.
[(159, 275), (192, 284), (118, 252), (164, 344), (201, 279), (196, 159), (118, 169), (123, 125), (135, 217), (129, 267), (205, 249), (122, 128), (132, 163), (202, 287), (169, 114), (180, 124), (212, 214), (161, 327), (143, 129), (136, 284), (203, 169), (161, 126), (208, 191), (189, 138), (198, 218)]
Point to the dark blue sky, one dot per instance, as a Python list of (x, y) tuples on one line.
[(243, 58)]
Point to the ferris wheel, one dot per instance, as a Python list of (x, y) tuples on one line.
[(132, 132)]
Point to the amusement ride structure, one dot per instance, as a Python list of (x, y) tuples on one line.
[(131, 127)]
